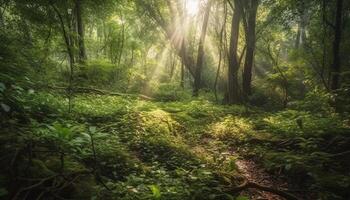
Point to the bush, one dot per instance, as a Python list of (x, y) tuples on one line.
[(316, 101), (171, 92)]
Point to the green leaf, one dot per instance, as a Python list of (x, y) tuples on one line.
[(242, 198), (92, 129), (155, 191), (2, 87), (31, 91), (5, 107)]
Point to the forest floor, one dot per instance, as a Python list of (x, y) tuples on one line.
[(125, 148)]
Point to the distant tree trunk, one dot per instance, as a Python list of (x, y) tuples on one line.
[(221, 51), (172, 65), (182, 82), (80, 27), (121, 44), (200, 57), (233, 88), (297, 39), (336, 47), (70, 53), (302, 23), (250, 40)]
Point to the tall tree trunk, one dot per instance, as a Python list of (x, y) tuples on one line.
[(70, 53), (233, 88), (302, 23), (172, 65), (200, 56), (297, 39), (336, 46), (250, 39), (182, 81), (80, 27), (121, 44), (221, 51)]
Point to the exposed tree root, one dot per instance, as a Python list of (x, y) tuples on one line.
[(247, 184)]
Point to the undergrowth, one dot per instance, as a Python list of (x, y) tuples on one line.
[(127, 148)]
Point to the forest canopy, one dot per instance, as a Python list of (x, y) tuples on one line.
[(175, 99)]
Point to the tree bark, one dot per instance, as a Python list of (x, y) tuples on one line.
[(302, 23), (70, 53), (233, 88), (336, 47), (221, 51), (250, 40), (200, 56), (80, 27)]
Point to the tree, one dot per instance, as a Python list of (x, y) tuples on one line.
[(336, 66), (80, 28), (251, 11), (173, 25), (200, 56), (233, 94)]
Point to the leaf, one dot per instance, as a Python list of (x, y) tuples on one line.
[(155, 191), (30, 91), (5, 107), (242, 198), (87, 136), (288, 167), (2, 87), (92, 129)]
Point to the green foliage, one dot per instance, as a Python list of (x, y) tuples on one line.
[(232, 128), (171, 92), (99, 106), (294, 122), (168, 144), (316, 101)]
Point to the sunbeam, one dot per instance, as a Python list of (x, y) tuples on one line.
[(192, 7)]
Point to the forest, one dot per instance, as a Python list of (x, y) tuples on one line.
[(175, 99)]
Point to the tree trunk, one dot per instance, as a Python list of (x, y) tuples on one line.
[(80, 27), (233, 88), (182, 81), (200, 56), (336, 47), (250, 39), (221, 51), (297, 39), (302, 23), (121, 45), (172, 65), (70, 53)]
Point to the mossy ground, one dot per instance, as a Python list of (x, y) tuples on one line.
[(126, 148)]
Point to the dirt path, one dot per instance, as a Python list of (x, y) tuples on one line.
[(258, 175), (251, 171)]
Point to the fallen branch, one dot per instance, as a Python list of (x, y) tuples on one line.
[(43, 181), (98, 91), (281, 193)]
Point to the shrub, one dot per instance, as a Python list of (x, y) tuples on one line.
[(171, 92)]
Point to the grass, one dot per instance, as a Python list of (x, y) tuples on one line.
[(167, 150)]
